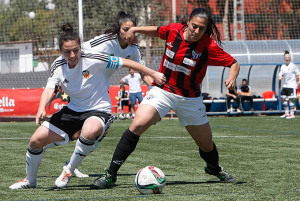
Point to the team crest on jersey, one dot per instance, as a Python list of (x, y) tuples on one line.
[(195, 54), (86, 74), (169, 44)]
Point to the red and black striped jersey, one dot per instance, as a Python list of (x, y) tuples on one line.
[(184, 63)]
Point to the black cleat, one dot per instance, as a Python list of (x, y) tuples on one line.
[(222, 175), (105, 181)]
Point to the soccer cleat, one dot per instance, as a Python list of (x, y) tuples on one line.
[(238, 110), (106, 181), (284, 116), (22, 184), (291, 117), (222, 175), (63, 179), (77, 172)]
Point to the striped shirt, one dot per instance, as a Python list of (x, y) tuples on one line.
[(86, 84), (184, 63)]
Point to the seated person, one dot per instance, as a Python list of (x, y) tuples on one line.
[(246, 94), (123, 101), (232, 94)]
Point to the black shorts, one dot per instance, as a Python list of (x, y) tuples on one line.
[(288, 92), (70, 121)]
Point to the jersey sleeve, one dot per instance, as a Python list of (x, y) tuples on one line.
[(296, 70), (125, 79), (163, 30), (280, 72), (86, 45), (137, 56), (53, 80), (217, 56), (114, 62)]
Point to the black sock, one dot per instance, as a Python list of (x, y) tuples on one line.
[(124, 148), (211, 158)]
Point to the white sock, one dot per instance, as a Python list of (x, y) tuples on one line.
[(33, 160), (292, 108), (83, 148), (285, 107)]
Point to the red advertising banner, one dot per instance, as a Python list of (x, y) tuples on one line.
[(25, 102)]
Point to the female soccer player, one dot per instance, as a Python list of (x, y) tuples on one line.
[(113, 43), (82, 76), (189, 49), (290, 72)]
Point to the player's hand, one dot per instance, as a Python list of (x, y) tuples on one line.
[(40, 116), (159, 78), (130, 37), (229, 83)]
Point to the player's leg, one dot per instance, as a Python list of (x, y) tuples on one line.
[(228, 102), (192, 115), (242, 102), (41, 137), (284, 101), (291, 96), (250, 98), (132, 100), (87, 142), (155, 105), (128, 143), (208, 151)]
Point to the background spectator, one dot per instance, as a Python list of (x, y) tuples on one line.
[(123, 101), (245, 93), (232, 94), (135, 92)]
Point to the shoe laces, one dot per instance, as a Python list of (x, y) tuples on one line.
[(66, 175)]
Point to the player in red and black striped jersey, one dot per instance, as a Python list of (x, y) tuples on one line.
[(189, 49)]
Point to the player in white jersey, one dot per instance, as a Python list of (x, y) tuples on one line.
[(290, 72), (113, 42), (82, 76), (135, 92)]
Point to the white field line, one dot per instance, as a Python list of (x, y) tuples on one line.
[(168, 137)]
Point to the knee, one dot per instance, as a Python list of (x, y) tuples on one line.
[(36, 143), (90, 132)]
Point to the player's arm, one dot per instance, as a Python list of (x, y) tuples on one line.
[(147, 30), (233, 73), (45, 98), (158, 77)]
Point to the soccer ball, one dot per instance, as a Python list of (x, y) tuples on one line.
[(122, 116), (150, 180)]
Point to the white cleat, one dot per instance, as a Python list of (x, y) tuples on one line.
[(77, 172), (80, 174), (291, 117), (63, 179), (22, 184), (284, 116)]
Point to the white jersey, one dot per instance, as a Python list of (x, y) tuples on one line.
[(289, 72), (134, 82), (109, 44), (86, 84)]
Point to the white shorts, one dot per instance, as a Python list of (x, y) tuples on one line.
[(190, 111)]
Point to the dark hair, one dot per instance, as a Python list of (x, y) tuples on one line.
[(123, 16), (212, 29), (68, 34), (244, 80), (286, 52)]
